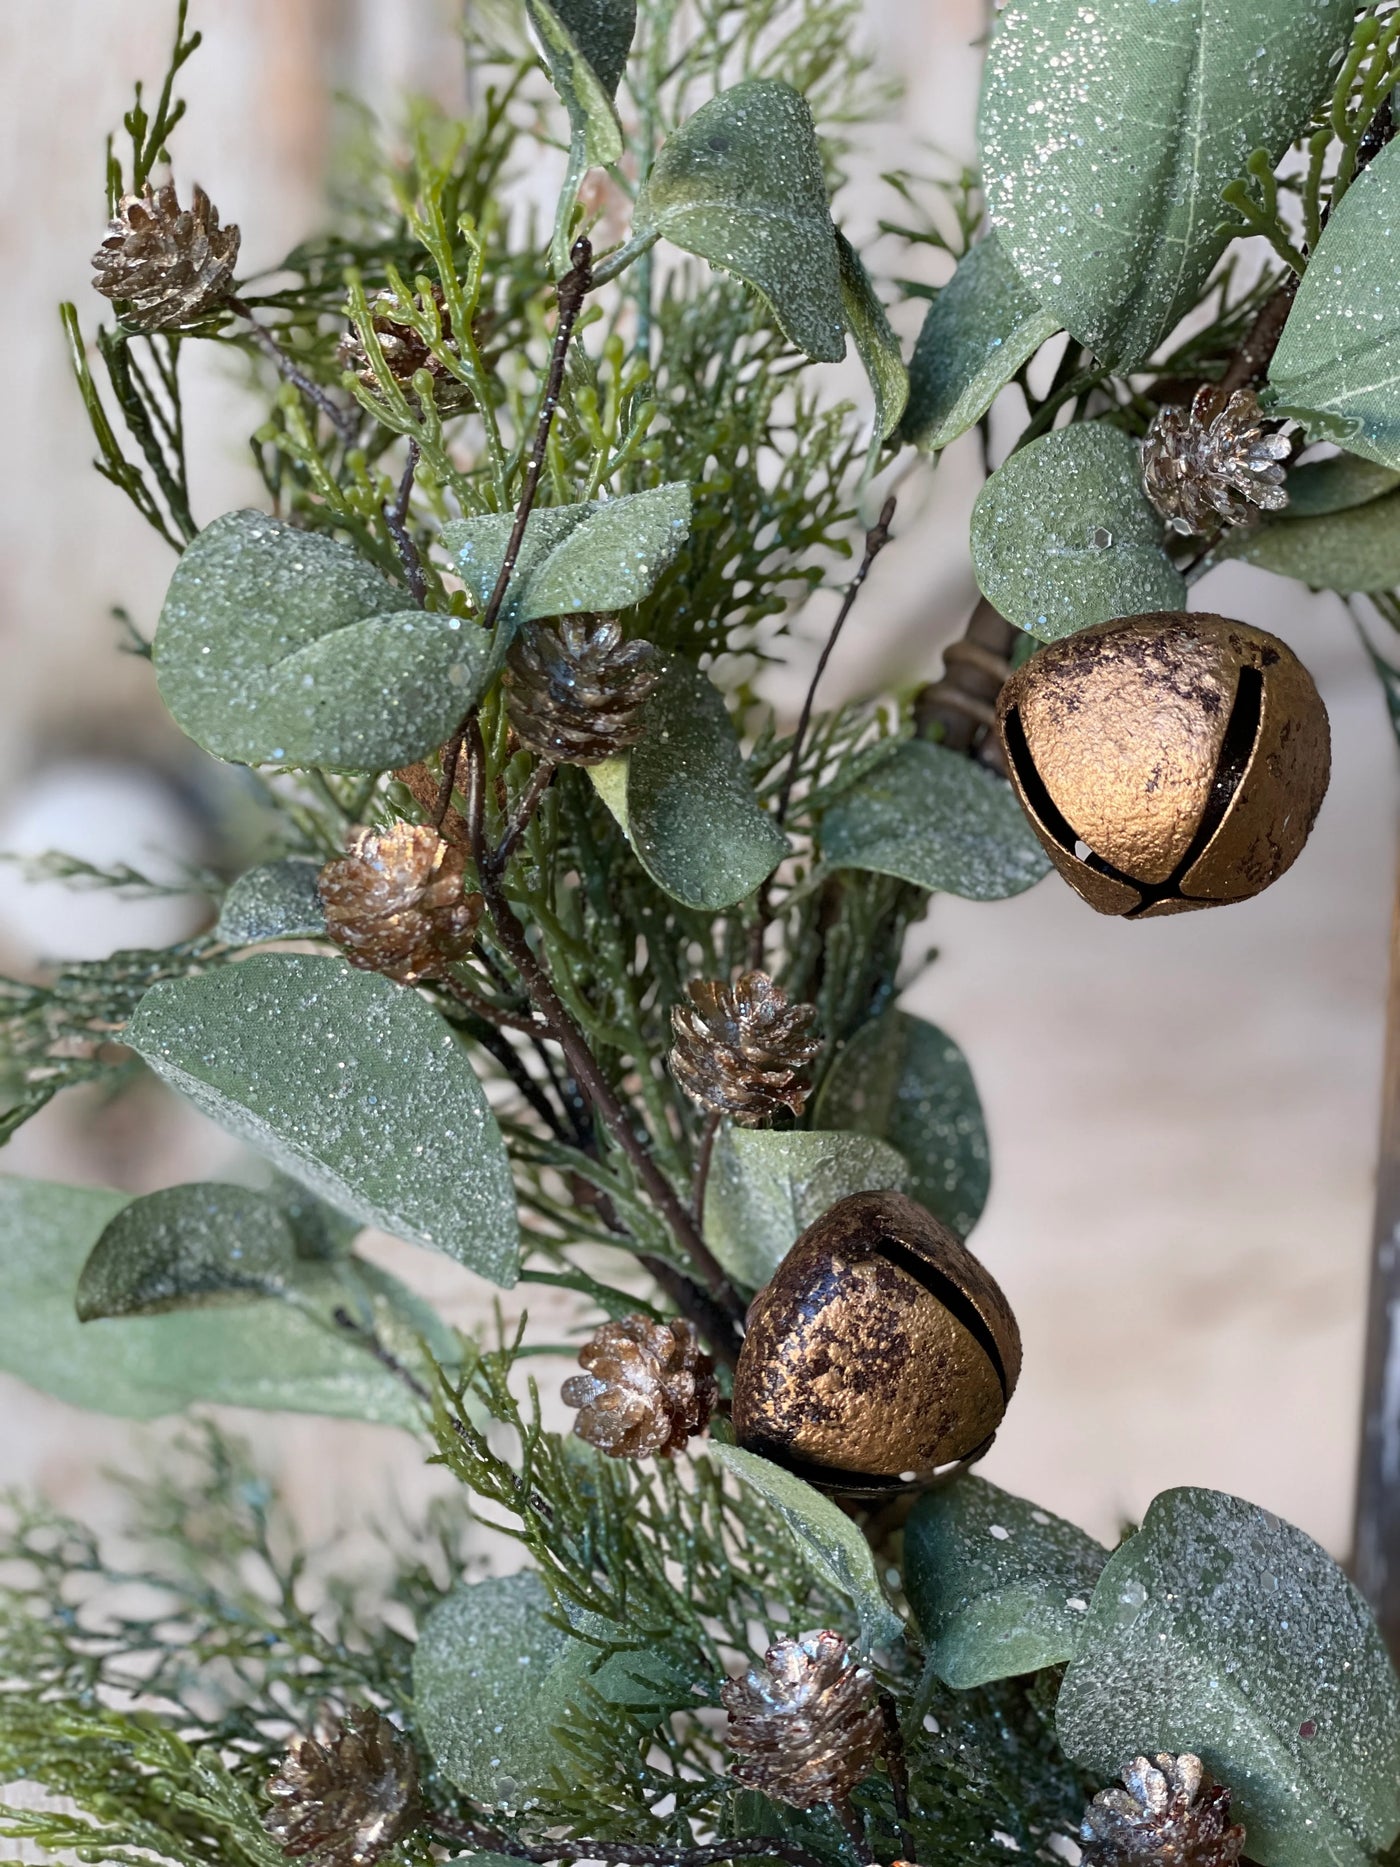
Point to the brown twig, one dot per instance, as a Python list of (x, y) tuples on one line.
[(704, 1155), (853, 1822), (345, 420), (480, 1838), (540, 780), (898, 1766), (396, 518)]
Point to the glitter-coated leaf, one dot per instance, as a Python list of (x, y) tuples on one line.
[(1109, 130), (1336, 485), (938, 819), (275, 901), (740, 183), (876, 343), (350, 1083), (585, 45), (1063, 535), (998, 1586), (983, 325), (767, 1187), (1351, 551), (907, 1082), (282, 647), (1220, 1630), (1337, 367), (826, 1537), (187, 1246)]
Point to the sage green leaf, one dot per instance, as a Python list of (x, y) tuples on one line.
[(607, 554), (352, 1084), (740, 184), (585, 45), (1063, 536), (1110, 131), (187, 1246), (282, 647), (982, 327), (766, 1188), (935, 818), (267, 1355), (825, 1536), (1353, 551), (998, 1586), (1336, 485), (275, 901), (1220, 1630), (691, 814), (319, 1230), (907, 1082), (1337, 366), (876, 343)]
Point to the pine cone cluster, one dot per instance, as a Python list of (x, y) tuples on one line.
[(165, 265), (742, 1050), (405, 353), (648, 1388), (805, 1725), (394, 902), (1214, 463), (345, 1794), (1170, 1813), (576, 690)]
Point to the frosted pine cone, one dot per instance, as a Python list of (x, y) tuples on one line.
[(166, 266), (742, 1050), (576, 689), (1214, 463), (647, 1390), (1171, 1813), (805, 1725), (344, 1795), (405, 353), (395, 903)]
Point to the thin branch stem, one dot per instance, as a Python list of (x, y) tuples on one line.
[(396, 518), (480, 1838), (343, 419), (540, 780), (703, 1157), (898, 1766), (853, 1822)]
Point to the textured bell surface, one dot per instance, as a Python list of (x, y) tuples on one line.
[(1167, 762), (881, 1349)]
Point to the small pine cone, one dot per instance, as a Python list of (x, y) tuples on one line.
[(576, 689), (1171, 1813), (166, 266), (648, 1388), (805, 1725), (742, 1050), (395, 903), (1214, 463), (344, 1795), (405, 353)]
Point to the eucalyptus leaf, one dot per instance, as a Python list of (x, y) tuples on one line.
[(691, 814), (766, 1188), (352, 1084), (876, 343), (825, 1536), (187, 1246), (1337, 366), (935, 818), (585, 45), (1063, 535), (1318, 487), (740, 184), (1109, 132), (282, 647), (907, 1082), (1353, 551), (979, 331), (1220, 1630), (998, 1586), (275, 901), (319, 1230)]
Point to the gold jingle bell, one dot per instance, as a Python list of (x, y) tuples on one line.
[(1167, 762), (880, 1350)]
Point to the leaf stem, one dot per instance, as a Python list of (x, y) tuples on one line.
[(344, 420), (396, 518)]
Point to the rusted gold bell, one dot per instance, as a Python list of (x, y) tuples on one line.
[(880, 1350), (1167, 762)]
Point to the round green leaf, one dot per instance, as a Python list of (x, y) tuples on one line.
[(998, 1586), (352, 1084), (938, 819), (585, 45), (1220, 1630), (880, 354), (275, 901), (1063, 536), (1353, 551), (282, 647), (187, 1246), (907, 1082), (1336, 485), (1109, 132), (740, 184)]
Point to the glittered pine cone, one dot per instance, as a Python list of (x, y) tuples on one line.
[(648, 1388), (166, 266), (394, 902), (405, 353), (1215, 463), (347, 1793), (1171, 1813), (805, 1726), (576, 690), (742, 1050)]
